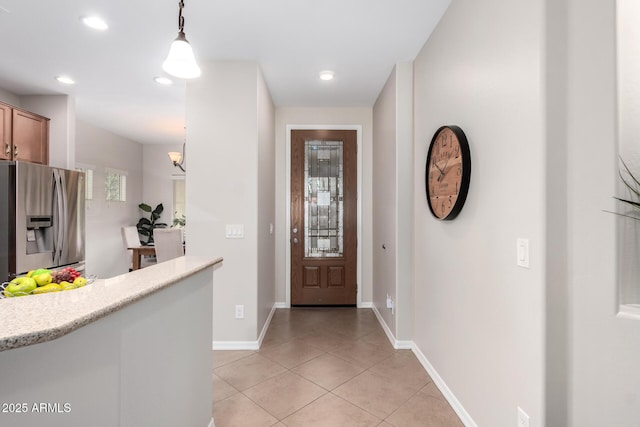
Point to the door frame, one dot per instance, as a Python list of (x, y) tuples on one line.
[(287, 232)]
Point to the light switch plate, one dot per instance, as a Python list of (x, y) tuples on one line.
[(522, 249), (234, 231)]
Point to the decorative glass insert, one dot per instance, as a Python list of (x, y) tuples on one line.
[(323, 199), (115, 182)]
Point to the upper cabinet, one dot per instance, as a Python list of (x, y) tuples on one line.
[(5, 132), (24, 135)]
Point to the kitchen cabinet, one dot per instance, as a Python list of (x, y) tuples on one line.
[(5, 132), (24, 135)]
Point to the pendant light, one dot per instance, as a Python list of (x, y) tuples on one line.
[(181, 62)]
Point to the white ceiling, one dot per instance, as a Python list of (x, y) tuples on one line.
[(291, 40)]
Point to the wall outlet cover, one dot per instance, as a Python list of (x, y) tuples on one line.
[(523, 418), (239, 311)]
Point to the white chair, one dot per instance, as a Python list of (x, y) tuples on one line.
[(168, 242), (131, 239)]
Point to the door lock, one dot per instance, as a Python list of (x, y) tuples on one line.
[(295, 230), (295, 240)]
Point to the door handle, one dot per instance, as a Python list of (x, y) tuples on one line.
[(295, 240), (15, 151), (294, 231), (7, 150)]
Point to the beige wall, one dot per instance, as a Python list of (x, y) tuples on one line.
[(61, 109), (159, 174), (393, 202), (9, 97), (478, 317), (266, 203), (601, 342), (100, 149), (384, 201), (225, 167), (330, 117)]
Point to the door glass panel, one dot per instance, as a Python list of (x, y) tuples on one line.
[(323, 199)]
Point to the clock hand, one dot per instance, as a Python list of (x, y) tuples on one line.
[(437, 167), (442, 171)]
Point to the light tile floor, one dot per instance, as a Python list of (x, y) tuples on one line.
[(328, 367)]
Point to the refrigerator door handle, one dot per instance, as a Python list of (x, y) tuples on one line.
[(58, 211), (64, 250)]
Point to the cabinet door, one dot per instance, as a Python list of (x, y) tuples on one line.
[(6, 146), (30, 137)]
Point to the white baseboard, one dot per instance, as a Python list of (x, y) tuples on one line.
[(385, 327), (398, 345), (365, 304), (235, 345), (211, 423), (266, 325), (246, 345), (437, 380), (404, 345), (442, 386), (281, 305)]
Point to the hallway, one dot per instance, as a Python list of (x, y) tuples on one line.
[(325, 367)]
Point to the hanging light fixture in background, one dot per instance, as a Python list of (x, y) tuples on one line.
[(181, 62), (177, 159)]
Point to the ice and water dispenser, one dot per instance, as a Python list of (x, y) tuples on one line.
[(39, 234)]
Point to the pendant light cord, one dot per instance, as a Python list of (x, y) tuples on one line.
[(180, 17)]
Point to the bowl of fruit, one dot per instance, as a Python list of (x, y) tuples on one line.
[(42, 281)]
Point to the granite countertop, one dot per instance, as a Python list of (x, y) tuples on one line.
[(38, 318)]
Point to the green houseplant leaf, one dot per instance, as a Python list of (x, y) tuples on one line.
[(146, 225), (633, 185)]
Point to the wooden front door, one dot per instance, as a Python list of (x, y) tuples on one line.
[(323, 235)]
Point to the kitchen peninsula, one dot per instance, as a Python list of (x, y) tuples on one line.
[(130, 350)]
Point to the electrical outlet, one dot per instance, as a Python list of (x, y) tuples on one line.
[(390, 303), (523, 418), (239, 311)]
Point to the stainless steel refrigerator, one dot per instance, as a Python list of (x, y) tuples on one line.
[(42, 218)]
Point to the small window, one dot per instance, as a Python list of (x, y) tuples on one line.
[(115, 185), (88, 179), (178, 197)]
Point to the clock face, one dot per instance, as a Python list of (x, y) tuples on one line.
[(448, 172)]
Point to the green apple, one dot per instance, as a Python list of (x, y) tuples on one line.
[(34, 273), (20, 286)]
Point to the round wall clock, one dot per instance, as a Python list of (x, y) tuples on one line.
[(448, 172)]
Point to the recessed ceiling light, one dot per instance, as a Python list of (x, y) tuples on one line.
[(94, 22), (66, 80), (327, 75), (163, 81)]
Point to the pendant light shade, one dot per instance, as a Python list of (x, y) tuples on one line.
[(181, 61)]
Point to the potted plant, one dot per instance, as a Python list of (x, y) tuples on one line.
[(179, 221), (146, 225), (633, 185)]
